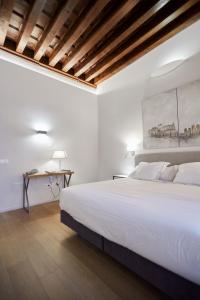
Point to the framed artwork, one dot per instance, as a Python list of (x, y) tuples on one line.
[(189, 114), (172, 119)]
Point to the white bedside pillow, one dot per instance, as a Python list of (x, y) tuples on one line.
[(148, 171), (188, 174), (132, 174), (168, 173)]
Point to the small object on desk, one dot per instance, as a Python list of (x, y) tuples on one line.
[(119, 176), (31, 175), (31, 172)]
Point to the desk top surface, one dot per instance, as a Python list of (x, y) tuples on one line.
[(45, 174)]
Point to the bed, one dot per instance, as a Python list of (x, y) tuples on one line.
[(153, 228)]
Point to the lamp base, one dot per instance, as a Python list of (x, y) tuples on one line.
[(59, 165)]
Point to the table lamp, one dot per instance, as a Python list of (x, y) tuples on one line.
[(59, 154)]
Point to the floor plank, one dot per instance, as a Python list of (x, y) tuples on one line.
[(6, 289), (58, 287), (25, 282), (40, 258)]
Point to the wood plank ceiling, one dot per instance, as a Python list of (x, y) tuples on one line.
[(90, 40)]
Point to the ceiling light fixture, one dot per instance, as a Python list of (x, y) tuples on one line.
[(165, 69)]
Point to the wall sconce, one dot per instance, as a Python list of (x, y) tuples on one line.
[(41, 132), (40, 136), (131, 150)]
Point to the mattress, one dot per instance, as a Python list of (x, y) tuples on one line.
[(159, 221)]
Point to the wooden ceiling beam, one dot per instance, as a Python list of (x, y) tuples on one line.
[(57, 23), (150, 44), (107, 36), (128, 46), (77, 30), (29, 24), (123, 10), (97, 55), (47, 66), (6, 7)]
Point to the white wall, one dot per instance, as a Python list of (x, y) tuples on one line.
[(32, 101), (120, 113), (94, 134)]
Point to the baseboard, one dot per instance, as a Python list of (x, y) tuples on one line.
[(10, 208), (15, 207)]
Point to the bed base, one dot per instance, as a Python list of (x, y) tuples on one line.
[(168, 282)]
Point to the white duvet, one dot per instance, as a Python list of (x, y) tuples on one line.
[(159, 221)]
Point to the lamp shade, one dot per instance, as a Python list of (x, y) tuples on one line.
[(59, 154)]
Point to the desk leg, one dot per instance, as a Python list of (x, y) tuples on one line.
[(25, 195), (67, 181), (23, 191), (69, 178), (64, 181)]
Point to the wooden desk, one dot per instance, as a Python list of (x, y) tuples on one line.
[(26, 179)]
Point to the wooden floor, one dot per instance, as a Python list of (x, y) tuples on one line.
[(40, 259)]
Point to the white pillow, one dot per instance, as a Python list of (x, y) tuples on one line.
[(132, 174), (168, 173), (149, 171), (188, 174)]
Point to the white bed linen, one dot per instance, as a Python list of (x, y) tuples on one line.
[(160, 221)]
